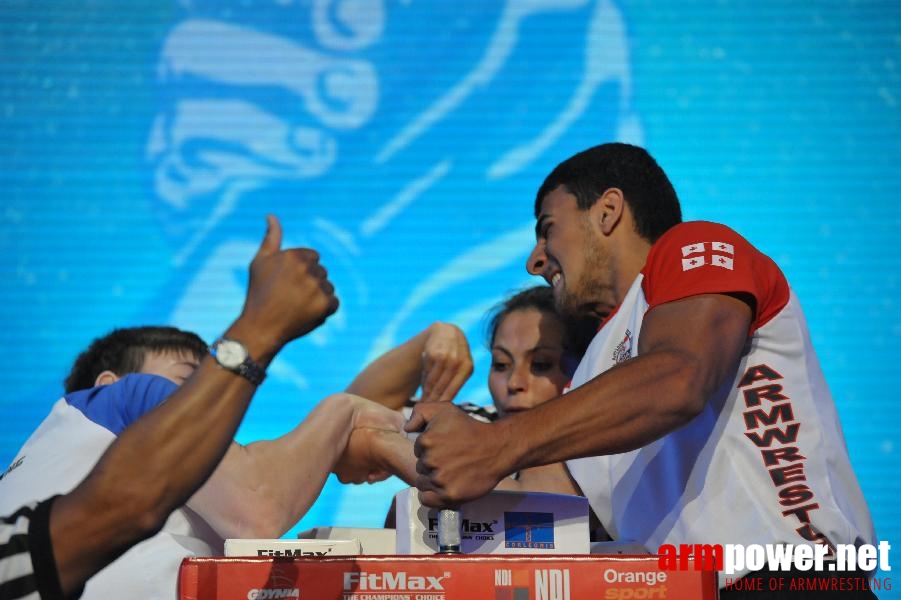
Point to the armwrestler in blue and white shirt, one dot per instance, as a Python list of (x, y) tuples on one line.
[(158, 416)]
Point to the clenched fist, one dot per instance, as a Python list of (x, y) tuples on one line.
[(289, 293)]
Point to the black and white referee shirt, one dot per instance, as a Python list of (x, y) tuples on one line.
[(27, 567)]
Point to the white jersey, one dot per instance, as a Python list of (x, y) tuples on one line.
[(766, 461), (64, 449)]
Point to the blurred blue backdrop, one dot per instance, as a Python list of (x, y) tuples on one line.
[(143, 143)]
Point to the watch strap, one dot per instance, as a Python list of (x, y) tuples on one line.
[(248, 369), (251, 371)]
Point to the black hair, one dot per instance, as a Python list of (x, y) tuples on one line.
[(646, 188), (124, 351)]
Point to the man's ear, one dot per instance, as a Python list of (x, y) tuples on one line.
[(106, 378), (608, 210)]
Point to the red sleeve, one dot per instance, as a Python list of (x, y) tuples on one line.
[(707, 258)]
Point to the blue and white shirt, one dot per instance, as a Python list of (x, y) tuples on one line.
[(64, 449)]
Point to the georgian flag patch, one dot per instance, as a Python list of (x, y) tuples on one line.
[(715, 254)]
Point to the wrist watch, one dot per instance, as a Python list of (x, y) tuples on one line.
[(232, 355)]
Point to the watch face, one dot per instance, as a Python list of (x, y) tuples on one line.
[(230, 354)]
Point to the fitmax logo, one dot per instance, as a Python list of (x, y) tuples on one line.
[(468, 526), (394, 582), (290, 552)]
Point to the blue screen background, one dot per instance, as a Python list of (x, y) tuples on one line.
[(142, 146)]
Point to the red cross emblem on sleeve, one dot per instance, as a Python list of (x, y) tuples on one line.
[(714, 254)]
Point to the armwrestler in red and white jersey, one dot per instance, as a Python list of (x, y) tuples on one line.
[(699, 413)]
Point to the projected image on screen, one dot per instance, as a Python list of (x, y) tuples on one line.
[(405, 140), (359, 123)]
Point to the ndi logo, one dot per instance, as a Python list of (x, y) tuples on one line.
[(529, 530), (514, 584)]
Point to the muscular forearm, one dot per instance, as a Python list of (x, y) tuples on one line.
[(638, 401), (591, 420), (264, 488)]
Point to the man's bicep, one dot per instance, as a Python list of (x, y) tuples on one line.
[(710, 330)]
